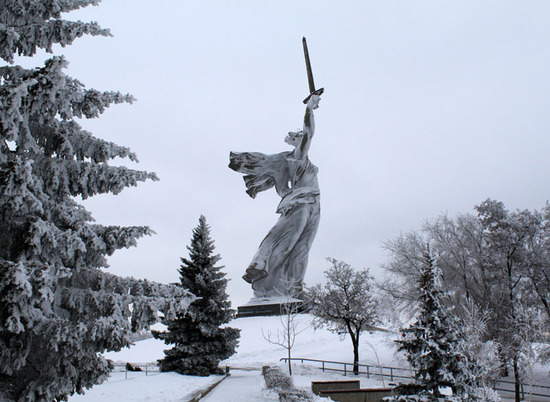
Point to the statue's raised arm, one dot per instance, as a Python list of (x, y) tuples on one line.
[(279, 266), (301, 150)]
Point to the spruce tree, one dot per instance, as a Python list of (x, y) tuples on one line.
[(58, 310), (431, 345), (200, 343)]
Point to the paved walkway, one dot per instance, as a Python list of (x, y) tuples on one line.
[(242, 386)]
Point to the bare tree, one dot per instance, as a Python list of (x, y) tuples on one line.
[(345, 303), (291, 324), (458, 244)]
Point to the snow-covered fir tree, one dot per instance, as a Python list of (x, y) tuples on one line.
[(200, 343), (58, 310), (431, 346)]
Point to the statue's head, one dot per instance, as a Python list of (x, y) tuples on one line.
[(294, 138)]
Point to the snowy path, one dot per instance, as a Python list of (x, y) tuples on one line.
[(242, 386)]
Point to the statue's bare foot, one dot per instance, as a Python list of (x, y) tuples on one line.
[(247, 277), (253, 274)]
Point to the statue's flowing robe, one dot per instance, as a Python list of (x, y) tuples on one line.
[(278, 267)]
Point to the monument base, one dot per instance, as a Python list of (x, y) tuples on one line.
[(269, 307)]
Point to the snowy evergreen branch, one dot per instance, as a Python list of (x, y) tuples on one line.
[(28, 25), (58, 310)]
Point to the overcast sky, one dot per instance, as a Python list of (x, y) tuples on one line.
[(429, 107)]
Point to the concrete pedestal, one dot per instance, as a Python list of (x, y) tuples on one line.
[(267, 307)]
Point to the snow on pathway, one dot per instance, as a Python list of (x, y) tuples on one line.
[(242, 386)]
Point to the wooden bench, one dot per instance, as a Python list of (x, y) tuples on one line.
[(357, 395), (318, 386)]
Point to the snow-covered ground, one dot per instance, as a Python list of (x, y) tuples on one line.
[(312, 344), (253, 352)]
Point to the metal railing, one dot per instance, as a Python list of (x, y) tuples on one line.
[(145, 368), (526, 390), (534, 390), (369, 370)]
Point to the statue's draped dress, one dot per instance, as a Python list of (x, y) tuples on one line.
[(279, 266)]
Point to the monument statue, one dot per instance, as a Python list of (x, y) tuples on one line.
[(279, 266)]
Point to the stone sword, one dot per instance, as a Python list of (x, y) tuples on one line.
[(312, 90)]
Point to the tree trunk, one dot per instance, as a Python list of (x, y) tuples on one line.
[(503, 362), (355, 359), (289, 363), (356, 355), (517, 380), (355, 342)]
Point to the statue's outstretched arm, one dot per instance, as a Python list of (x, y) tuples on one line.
[(309, 128)]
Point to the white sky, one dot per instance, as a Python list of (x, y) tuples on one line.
[(429, 107)]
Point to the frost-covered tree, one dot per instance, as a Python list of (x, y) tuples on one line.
[(538, 255), (507, 237), (458, 243), (345, 303), (497, 259), (58, 310), (200, 340), (481, 357), (431, 345)]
